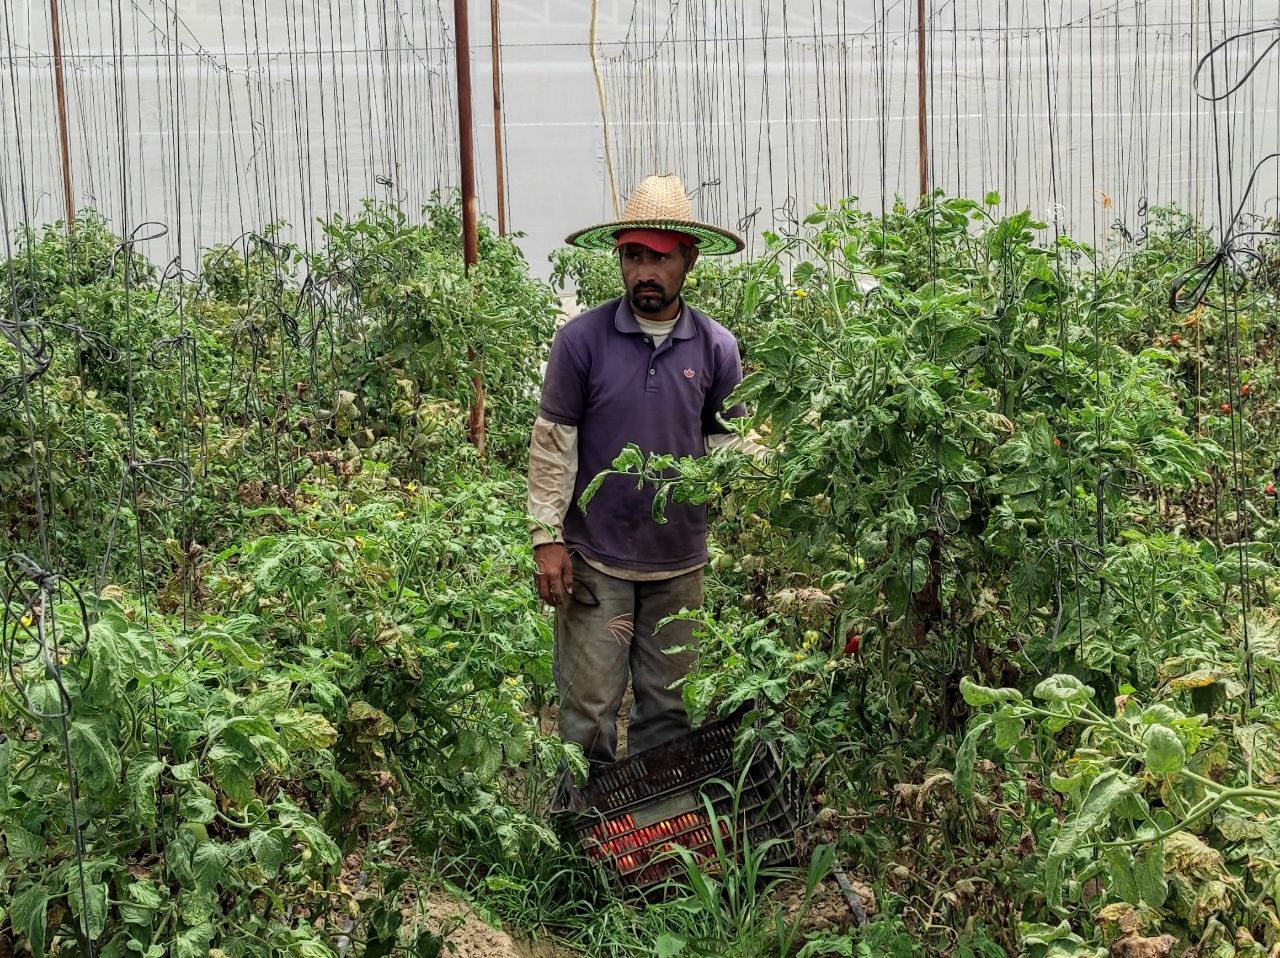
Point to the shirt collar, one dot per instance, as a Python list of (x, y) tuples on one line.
[(624, 321)]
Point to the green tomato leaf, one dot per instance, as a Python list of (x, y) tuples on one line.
[(1009, 730), (143, 777), (1160, 714), (1165, 752), (193, 942), (1107, 790), (22, 844), (93, 919), (208, 864), (29, 915), (269, 849), (1063, 688), (1123, 883), (979, 695), (1148, 872), (97, 761)]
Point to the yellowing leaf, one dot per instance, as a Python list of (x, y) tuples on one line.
[(1187, 855), (377, 724), (302, 730), (1199, 679)]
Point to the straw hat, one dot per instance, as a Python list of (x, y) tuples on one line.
[(660, 203)]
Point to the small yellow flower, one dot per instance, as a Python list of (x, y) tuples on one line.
[(346, 508), (511, 680), (799, 293), (399, 515), (27, 620), (450, 646), (412, 487)]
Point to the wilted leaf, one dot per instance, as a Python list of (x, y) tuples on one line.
[(1186, 854), (1199, 679), (967, 754), (1158, 713), (1234, 828), (1212, 899), (1122, 884), (302, 730), (208, 864), (376, 723), (1049, 941), (1260, 745), (230, 773), (1264, 637), (1136, 947), (1123, 916)]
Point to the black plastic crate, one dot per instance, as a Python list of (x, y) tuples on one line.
[(629, 814)]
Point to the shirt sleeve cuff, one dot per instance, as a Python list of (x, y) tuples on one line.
[(557, 418), (542, 537)]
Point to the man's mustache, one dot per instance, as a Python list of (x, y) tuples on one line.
[(647, 287)]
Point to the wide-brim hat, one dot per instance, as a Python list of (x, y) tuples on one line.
[(660, 203)]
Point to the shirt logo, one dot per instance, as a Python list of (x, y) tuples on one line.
[(689, 374)]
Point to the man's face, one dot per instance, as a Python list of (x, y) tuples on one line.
[(654, 280)]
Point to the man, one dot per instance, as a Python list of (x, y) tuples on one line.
[(644, 369)]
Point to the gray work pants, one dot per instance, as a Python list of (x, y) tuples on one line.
[(598, 644)]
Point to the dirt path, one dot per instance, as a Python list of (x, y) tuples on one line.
[(469, 936)]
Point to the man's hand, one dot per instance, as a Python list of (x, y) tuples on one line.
[(554, 574)]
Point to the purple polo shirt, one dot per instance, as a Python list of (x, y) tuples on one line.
[(606, 378)]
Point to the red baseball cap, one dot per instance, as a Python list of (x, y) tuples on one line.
[(660, 241)]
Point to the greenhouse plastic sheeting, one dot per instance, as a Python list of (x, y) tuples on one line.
[(215, 118)]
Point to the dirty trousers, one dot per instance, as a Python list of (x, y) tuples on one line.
[(598, 646)]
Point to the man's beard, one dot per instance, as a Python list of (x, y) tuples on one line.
[(642, 298)]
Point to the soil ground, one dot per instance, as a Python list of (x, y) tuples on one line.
[(469, 936)]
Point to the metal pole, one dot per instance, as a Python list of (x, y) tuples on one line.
[(921, 87), (60, 91), (499, 163), (470, 207)]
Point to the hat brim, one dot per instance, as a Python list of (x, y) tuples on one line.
[(710, 240)]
